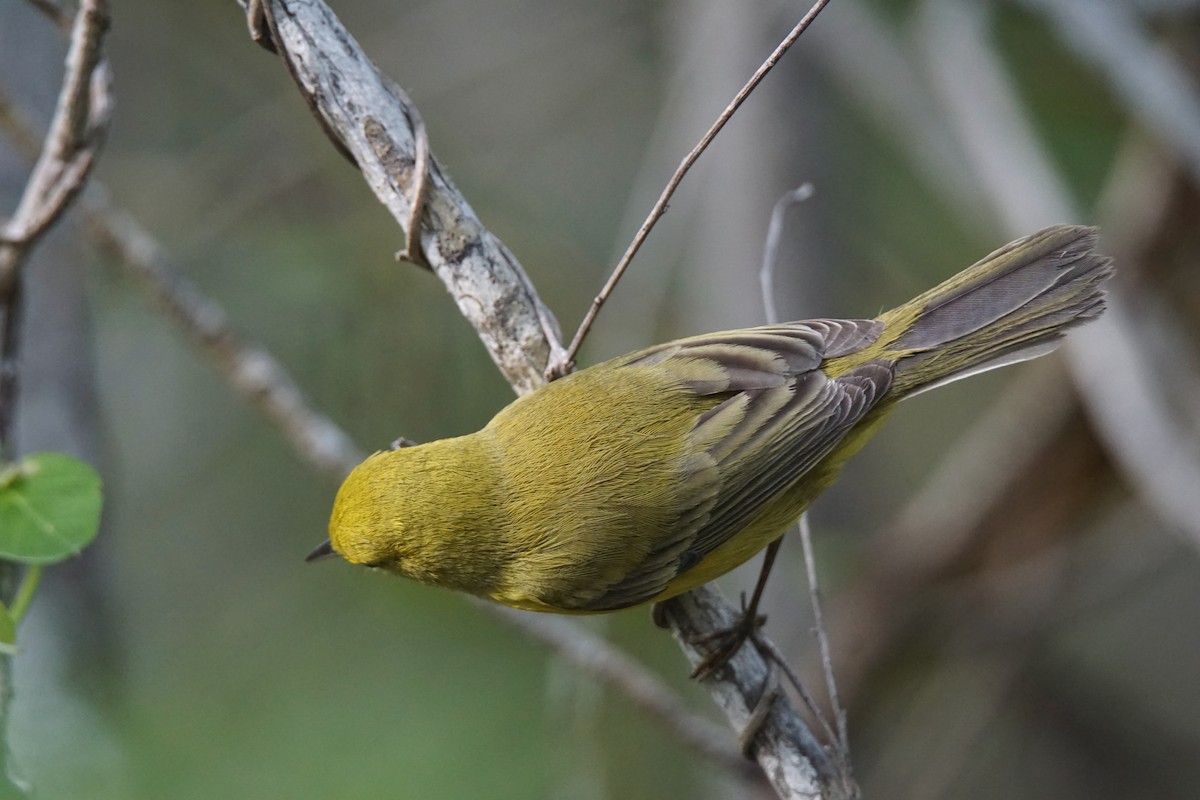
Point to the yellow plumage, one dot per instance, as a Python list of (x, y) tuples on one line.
[(647, 475)]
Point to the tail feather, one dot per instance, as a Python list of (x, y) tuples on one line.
[(1013, 305)]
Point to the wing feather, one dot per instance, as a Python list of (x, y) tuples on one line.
[(778, 415)]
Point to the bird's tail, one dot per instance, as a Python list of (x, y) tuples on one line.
[(1011, 306)]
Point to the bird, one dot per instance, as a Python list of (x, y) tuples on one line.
[(647, 475)]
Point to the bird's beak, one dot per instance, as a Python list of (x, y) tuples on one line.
[(322, 550)]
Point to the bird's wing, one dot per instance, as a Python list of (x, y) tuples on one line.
[(778, 415)]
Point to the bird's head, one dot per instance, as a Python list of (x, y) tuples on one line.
[(423, 512), (368, 523)]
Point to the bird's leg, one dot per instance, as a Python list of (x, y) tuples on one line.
[(731, 639)]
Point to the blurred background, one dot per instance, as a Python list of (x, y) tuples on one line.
[(1011, 568)]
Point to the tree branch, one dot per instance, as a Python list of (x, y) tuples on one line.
[(794, 761), (367, 116), (67, 156)]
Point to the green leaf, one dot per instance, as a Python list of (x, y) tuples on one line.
[(49, 508)]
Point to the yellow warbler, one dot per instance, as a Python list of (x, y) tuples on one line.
[(650, 474)]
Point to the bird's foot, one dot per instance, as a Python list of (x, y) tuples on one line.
[(728, 641)]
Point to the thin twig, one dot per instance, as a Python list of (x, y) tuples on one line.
[(767, 279), (419, 183), (810, 566), (766, 275), (770, 694), (75, 135), (660, 207), (777, 657)]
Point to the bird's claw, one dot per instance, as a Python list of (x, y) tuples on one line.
[(728, 642)]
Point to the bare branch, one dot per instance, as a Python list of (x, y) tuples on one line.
[(766, 277), (71, 144), (810, 567), (660, 207), (374, 123), (795, 763), (67, 156), (420, 182)]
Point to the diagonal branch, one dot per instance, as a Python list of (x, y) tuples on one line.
[(73, 141), (373, 124)]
